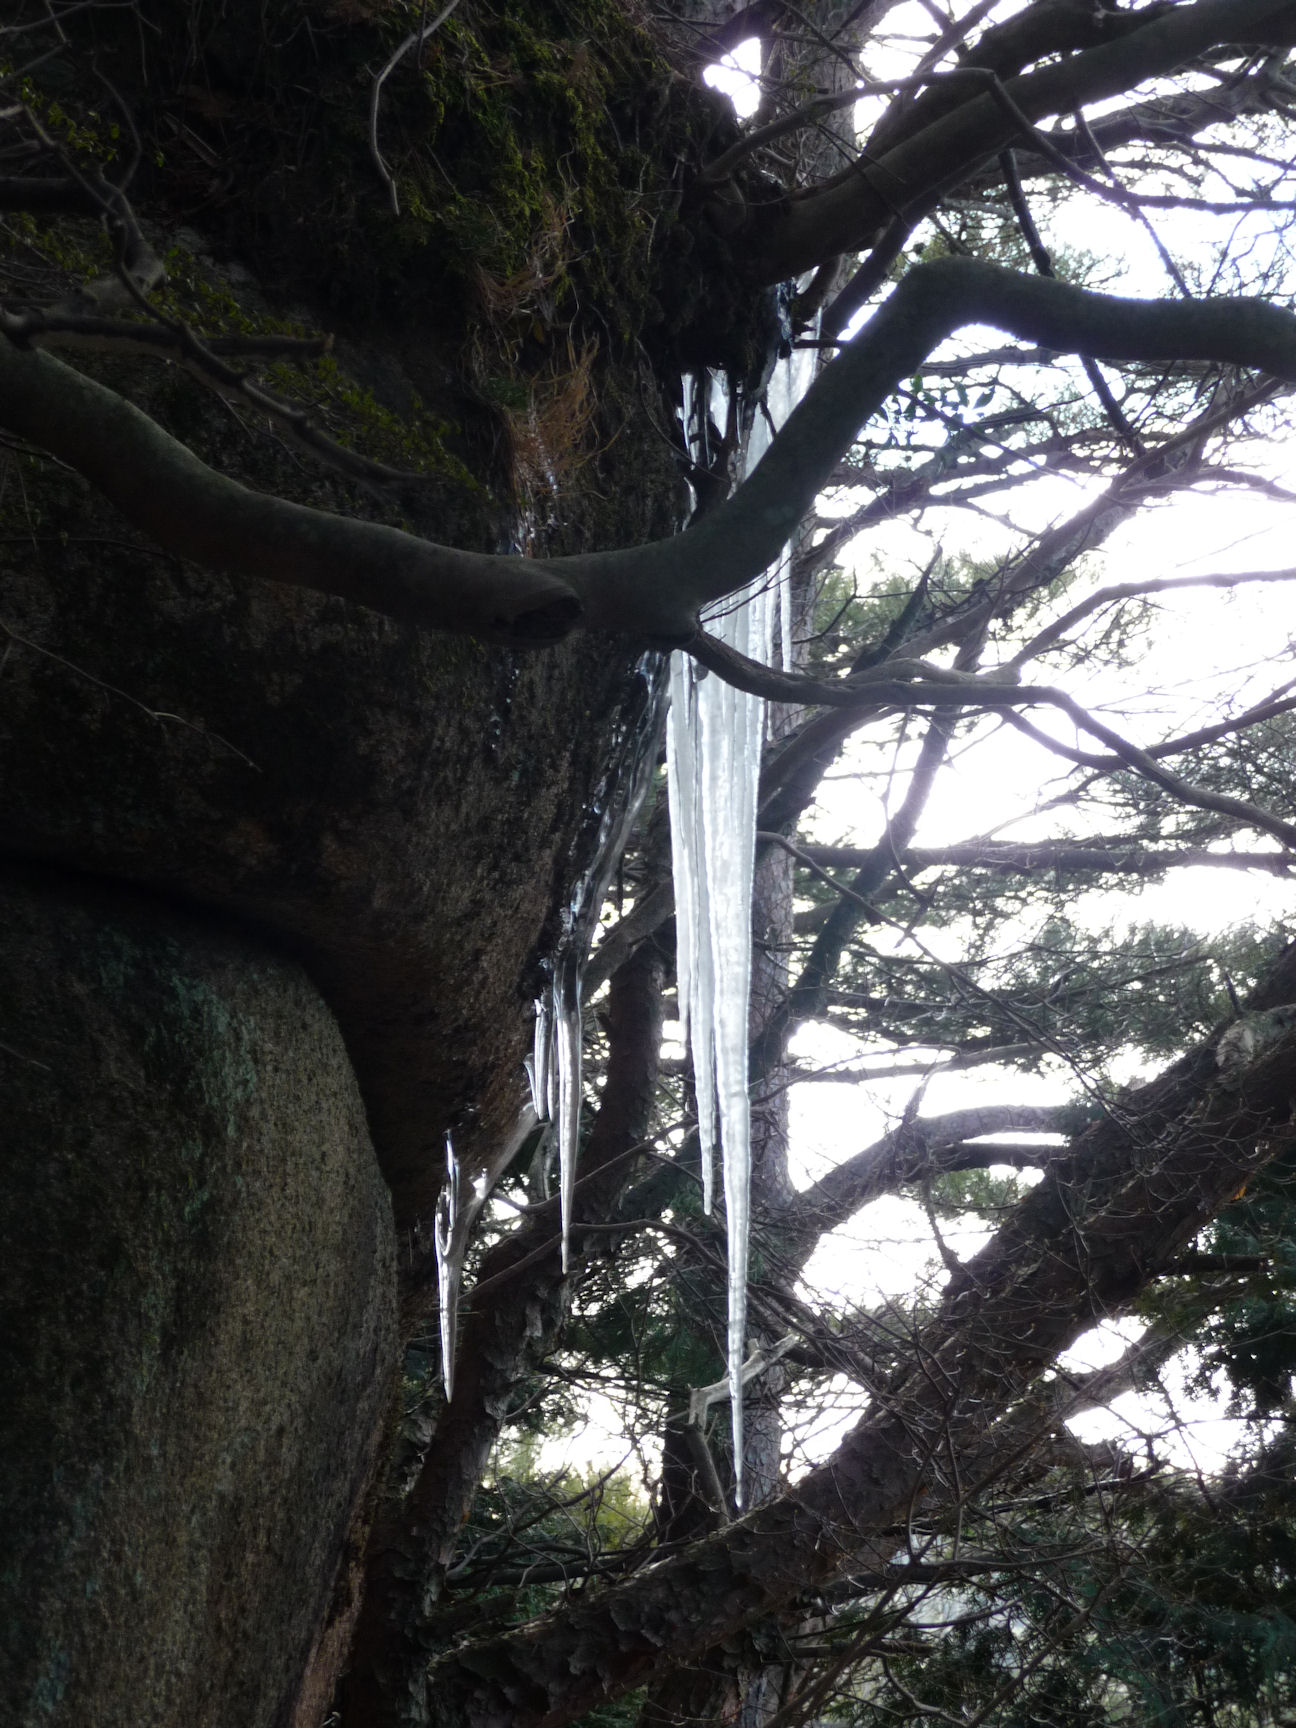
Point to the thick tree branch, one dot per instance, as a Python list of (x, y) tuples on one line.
[(656, 590), (196, 513), (847, 215), (1081, 1245)]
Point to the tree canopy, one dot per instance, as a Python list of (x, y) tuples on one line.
[(997, 400)]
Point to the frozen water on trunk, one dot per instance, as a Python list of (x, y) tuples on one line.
[(537, 1068), (457, 1210), (554, 1070), (449, 1241), (714, 738), (567, 1064)]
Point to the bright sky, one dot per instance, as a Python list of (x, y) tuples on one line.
[(1199, 637)]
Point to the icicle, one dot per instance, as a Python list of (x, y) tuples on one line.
[(537, 1068), (686, 838), (449, 1245), (785, 616), (567, 1040), (714, 739), (554, 1069)]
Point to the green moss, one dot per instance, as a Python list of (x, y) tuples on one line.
[(547, 200), (533, 145), (536, 255)]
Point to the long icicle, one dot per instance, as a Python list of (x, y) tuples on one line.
[(567, 1052), (714, 737)]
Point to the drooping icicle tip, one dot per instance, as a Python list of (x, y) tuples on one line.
[(447, 1240), (554, 1069)]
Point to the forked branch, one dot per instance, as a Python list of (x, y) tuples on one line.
[(655, 591)]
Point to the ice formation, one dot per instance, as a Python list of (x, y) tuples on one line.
[(554, 1066), (554, 1069), (449, 1243), (457, 1211), (714, 737)]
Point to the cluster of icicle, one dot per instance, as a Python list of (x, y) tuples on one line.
[(554, 1068), (714, 739), (714, 736)]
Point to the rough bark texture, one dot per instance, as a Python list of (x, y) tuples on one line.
[(197, 1307), (299, 764), (384, 820)]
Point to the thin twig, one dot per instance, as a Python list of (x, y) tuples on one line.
[(1043, 262), (415, 39)]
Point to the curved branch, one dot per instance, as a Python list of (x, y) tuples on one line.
[(196, 513), (654, 591), (1104, 1221), (1116, 591), (914, 684), (929, 1146), (415, 39), (846, 215)]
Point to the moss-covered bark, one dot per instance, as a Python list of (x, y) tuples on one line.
[(336, 847)]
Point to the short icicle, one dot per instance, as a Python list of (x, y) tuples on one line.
[(537, 1067), (554, 1068), (447, 1238), (567, 1053)]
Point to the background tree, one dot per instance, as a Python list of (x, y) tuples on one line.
[(262, 710)]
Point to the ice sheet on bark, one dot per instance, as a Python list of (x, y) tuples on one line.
[(714, 739)]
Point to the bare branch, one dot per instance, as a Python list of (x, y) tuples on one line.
[(654, 590), (415, 39), (1117, 591), (1029, 856)]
